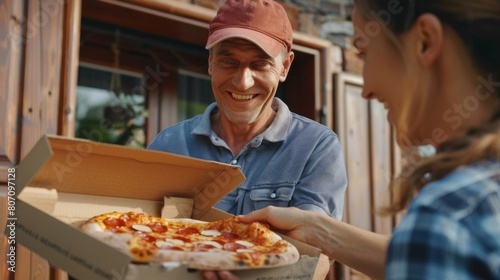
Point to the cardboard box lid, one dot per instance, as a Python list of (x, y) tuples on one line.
[(79, 167), (86, 167)]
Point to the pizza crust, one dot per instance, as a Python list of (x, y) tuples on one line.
[(220, 261)]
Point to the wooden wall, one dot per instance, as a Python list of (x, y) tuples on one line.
[(34, 80), (371, 156)]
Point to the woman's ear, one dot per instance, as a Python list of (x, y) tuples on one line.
[(429, 32)]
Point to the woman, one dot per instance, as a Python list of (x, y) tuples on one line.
[(435, 64)]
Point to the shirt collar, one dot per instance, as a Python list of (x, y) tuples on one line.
[(276, 132)]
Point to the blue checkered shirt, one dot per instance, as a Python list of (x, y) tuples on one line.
[(452, 229)]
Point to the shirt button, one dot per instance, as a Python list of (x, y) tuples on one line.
[(234, 162), (273, 195)]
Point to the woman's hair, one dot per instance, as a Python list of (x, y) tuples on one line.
[(477, 22)]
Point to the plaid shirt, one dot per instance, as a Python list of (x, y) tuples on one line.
[(452, 229)]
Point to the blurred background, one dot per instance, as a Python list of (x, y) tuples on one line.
[(120, 71)]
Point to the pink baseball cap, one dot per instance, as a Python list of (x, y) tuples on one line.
[(263, 22)]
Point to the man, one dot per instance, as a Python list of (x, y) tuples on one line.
[(288, 160)]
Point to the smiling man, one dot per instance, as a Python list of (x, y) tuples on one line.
[(288, 160)]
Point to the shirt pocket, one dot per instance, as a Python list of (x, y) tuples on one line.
[(276, 195)]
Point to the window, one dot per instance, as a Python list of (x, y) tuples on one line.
[(110, 106), (133, 84), (194, 95)]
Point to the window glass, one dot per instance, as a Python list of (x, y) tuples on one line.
[(194, 94), (110, 114)]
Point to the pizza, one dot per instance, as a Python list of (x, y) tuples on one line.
[(225, 244)]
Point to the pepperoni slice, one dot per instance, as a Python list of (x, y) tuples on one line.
[(230, 235), (124, 218), (188, 231), (220, 241), (113, 223), (203, 247), (157, 227), (183, 238), (256, 257), (233, 246), (146, 237)]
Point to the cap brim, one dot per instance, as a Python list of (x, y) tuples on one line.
[(269, 45)]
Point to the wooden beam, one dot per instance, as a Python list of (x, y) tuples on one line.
[(69, 67)]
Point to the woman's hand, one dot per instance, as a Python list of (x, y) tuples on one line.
[(290, 221), (219, 275)]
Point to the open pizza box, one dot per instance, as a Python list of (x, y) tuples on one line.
[(63, 182)]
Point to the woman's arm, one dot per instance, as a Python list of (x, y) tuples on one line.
[(359, 249)]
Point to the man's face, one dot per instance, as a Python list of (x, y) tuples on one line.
[(245, 79)]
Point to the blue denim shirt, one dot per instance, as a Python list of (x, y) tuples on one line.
[(294, 162), (452, 229)]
